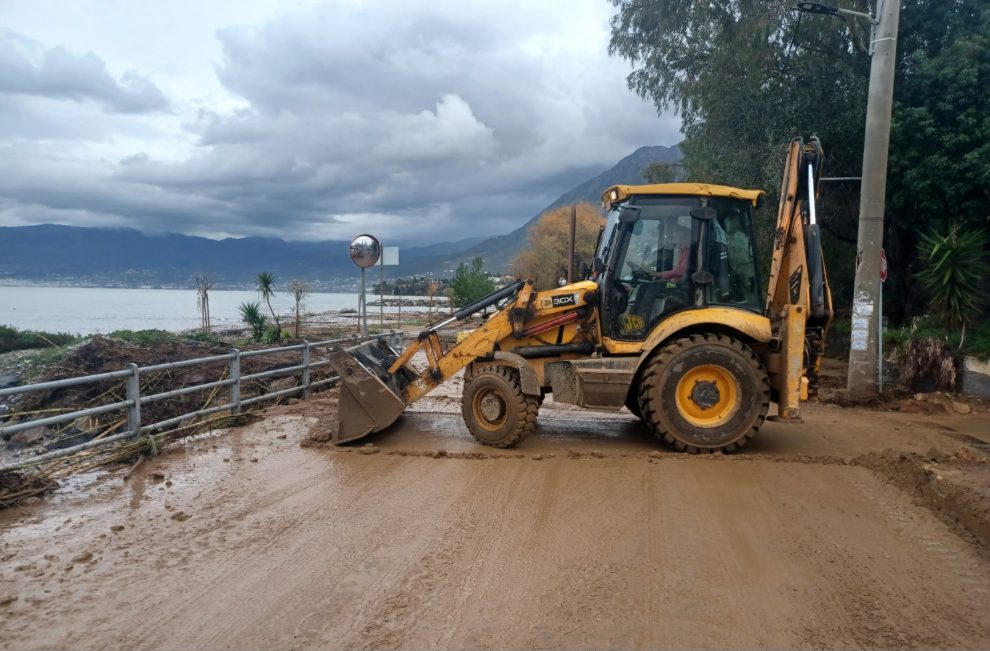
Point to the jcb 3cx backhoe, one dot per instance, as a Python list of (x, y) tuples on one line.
[(673, 325)]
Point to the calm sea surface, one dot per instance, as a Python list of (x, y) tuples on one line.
[(86, 310)]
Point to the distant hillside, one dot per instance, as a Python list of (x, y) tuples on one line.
[(128, 258), (499, 251)]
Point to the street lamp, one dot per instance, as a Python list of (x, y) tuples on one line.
[(828, 10), (864, 348)]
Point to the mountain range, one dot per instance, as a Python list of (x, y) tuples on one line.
[(70, 255)]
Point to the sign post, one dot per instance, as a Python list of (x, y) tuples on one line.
[(390, 258), (365, 250)]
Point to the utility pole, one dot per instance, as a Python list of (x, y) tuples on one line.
[(862, 383), (571, 244)]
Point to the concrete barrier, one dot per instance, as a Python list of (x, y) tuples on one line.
[(975, 377)]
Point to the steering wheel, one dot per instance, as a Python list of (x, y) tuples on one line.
[(639, 272)]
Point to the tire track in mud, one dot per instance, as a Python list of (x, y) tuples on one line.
[(260, 544), (599, 550), (656, 574), (392, 608), (519, 545), (694, 614), (929, 540)]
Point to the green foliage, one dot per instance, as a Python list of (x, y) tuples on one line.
[(143, 337), (955, 273), (154, 336), (471, 283), (411, 286), (940, 132), (251, 315), (272, 335), (13, 339), (747, 76), (975, 343)]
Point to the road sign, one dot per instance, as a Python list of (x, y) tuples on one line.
[(883, 266)]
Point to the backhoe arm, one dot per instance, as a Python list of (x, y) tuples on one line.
[(799, 302)]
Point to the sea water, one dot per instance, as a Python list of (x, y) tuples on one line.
[(90, 310)]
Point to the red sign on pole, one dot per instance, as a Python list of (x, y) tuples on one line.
[(883, 266)]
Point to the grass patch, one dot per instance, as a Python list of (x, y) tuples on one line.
[(153, 336), (13, 339)]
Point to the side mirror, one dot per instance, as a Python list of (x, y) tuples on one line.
[(704, 214), (584, 269), (629, 214)]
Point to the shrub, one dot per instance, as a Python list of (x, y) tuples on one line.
[(251, 314), (13, 339), (955, 273), (143, 337)]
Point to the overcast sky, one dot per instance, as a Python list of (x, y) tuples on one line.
[(418, 122)]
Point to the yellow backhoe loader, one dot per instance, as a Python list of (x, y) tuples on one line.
[(672, 324)]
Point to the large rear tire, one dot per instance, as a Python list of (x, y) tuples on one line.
[(495, 409), (705, 393)]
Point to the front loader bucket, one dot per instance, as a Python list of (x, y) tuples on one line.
[(366, 404)]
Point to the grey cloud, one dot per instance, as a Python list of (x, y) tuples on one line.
[(429, 123), (26, 68)]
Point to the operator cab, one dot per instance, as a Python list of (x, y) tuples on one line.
[(672, 247)]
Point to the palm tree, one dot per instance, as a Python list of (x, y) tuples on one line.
[(266, 287)]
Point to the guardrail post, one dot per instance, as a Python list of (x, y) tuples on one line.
[(234, 370), (305, 371), (133, 399)]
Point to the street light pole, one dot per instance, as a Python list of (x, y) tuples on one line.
[(862, 382)]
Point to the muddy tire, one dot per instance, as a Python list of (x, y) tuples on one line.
[(495, 409), (632, 404), (704, 393)]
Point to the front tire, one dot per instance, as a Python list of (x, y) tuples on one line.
[(495, 409), (705, 393)]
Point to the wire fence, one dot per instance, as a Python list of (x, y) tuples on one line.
[(133, 401)]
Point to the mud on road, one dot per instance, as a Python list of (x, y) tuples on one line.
[(589, 535)]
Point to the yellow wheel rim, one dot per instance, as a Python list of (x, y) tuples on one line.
[(490, 410), (708, 396)]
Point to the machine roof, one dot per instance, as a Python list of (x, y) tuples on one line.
[(618, 193)]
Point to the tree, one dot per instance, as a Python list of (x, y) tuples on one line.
[(251, 314), (940, 135), (545, 257), (660, 173), (470, 283), (433, 288), (299, 291), (203, 285), (748, 75), (266, 287)]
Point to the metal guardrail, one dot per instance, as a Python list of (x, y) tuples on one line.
[(134, 400)]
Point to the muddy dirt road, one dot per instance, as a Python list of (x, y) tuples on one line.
[(584, 537)]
